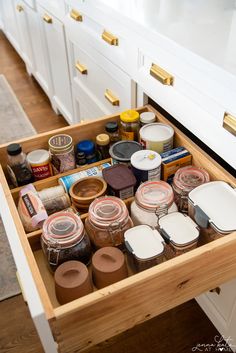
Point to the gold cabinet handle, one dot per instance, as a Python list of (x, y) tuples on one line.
[(76, 15), (81, 68), (47, 18), (111, 98), (229, 123), (109, 38), (19, 8), (161, 75)]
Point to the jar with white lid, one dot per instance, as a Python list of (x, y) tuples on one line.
[(180, 232), (108, 219), (186, 179), (153, 199), (64, 238)]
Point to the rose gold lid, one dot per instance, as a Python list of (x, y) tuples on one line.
[(189, 177), (153, 194)]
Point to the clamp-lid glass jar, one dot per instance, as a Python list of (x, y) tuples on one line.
[(107, 220), (185, 180), (64, 239), (129, 125), (153, 199)]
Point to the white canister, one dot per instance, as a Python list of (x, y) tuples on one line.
[(147, 118), (146, 165), (39, 161), (157, 137)]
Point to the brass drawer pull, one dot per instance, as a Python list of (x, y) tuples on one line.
[(216, 290), (109, 38), (161, 75), (47, 18), (76, 15), (229, 123), (20, 8), (81, 68), (111, 98)]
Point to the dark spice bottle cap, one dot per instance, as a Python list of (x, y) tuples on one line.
[(14, 149), (112, 126)]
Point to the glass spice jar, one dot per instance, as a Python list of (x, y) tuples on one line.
[(103, 145), (64, 238), (112, 130), (129, 125), (185, 180), (62, 153), (153, 199), (107, 221)]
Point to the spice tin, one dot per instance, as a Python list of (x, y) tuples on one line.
[(180, 232), (120, 181), (62, 153), (108, 219), (157, 137), (39, 161), (64, 239), (129, 125), (146, 165), (213, 206), (153, 199), (144, 246), (185, 180), (147, 118), (122, 151)]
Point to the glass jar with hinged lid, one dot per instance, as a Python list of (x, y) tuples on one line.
[(153, 199)]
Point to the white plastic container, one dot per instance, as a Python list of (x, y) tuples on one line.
[(157, 137), (213, 207), (146, 165), (147, 118), (153, 199), (145, 247), (180, 232), (39, 161)]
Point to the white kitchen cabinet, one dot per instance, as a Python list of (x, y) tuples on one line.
[(56, 54), (22, 15), (10, 24), (1, 15)]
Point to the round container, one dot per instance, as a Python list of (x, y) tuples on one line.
[(88, 147), (122, 151), (153, 199), (64, 239), (107, 220), (54, 199), (129, 125), (146, 165), (39, 161), (185, 180), (147, 118), (85, 190), (112, 129), (108, 266), (72, 281), (103, 145), (157, 137), (62, 153)]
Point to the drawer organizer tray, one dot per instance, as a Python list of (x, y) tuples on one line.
[(80, 324)]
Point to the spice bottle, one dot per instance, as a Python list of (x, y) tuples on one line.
[(80, 159), (18, 167), (129, 125), (147, 118), (88, 148), (62, 153), (103, 145), (112, 130)]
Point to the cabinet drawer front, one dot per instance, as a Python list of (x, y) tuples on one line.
[(104, 313)]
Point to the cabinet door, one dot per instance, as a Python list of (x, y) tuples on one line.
[(24, 33), (53, 30), (10, 25)]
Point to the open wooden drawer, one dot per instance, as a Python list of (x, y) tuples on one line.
[(109, 311)]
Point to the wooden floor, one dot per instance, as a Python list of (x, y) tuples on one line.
[(175, 331)]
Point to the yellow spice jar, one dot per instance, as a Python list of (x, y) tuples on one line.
[(129, 125)]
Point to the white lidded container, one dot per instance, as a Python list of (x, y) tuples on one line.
[(180, 232), (153, 199), (147, 118), (145, 247), (146, 165), (157, 137), (213, 207)]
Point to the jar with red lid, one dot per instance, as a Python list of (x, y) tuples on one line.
[(185, 180), (108, 219), (64, 238), (153, 199)]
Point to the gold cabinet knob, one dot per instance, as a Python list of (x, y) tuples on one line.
[(111, 98), (161, 75), (110, 38), (20, 8), (47, 18), (76, 15), (81, 68), (229, 123)]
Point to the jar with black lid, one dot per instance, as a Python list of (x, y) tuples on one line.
[(112, 130), (18, 168)]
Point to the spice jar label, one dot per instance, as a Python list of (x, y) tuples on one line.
[(41, 171), (126, 193), (56, 164), (125, 135)]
